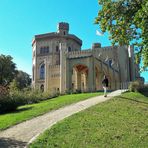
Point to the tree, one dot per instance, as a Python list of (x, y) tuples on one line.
[(127, 22), (23, 79), (7, 69)]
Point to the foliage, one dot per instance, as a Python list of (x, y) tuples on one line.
[(126, 21), (7, 69), (135, 86), (13, 85), (23, 79), (7, 103), (4, 92), (27, 112), (119, 122), (12, 98)]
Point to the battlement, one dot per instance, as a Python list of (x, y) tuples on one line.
[(82, 53), (63, 28), (96, 45)]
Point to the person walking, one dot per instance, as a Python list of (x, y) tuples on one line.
[(105, 85)]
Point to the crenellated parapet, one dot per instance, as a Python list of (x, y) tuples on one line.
[(77, 54)]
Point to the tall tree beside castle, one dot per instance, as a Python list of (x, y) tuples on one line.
[(127, 22), (7, 69), (9, 74)]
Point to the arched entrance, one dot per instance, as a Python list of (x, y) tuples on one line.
[(80, 78)]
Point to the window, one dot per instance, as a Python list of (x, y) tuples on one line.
[(110, 63), (69, 48), (41, 50), (64, 33), (42, 87), (44, 50), (47, 49), (57, 48), (42, 71)]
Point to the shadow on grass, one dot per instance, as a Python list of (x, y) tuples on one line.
[(22, 109), (145, 93), (16, 111), (134, 100), (11, 143)]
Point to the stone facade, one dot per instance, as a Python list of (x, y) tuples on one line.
[(60, 65)]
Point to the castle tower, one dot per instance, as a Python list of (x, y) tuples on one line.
[(63, 28)]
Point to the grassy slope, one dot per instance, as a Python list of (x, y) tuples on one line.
[(120, 122), (29, 111)]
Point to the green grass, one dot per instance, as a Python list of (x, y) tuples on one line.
[(119, 122), (29, 111)]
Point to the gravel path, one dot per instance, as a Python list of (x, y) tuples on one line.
[(24, 133)]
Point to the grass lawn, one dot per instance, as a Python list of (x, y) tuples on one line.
[(119, 122), (29, 111)]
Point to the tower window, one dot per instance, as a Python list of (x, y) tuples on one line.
[(41, 50), (44, 50), (42, 71)]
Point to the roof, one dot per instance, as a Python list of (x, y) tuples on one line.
[(57, 35)]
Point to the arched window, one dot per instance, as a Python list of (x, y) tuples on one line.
[(42, 71), (42, 87), (110, 62), (57, 48), (69, 48)]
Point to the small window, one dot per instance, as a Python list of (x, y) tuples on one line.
[(64, 33), (69, 48), (42, 87), (57, 48), (110, 63), (47, 49), (42, 71), (41, 50)]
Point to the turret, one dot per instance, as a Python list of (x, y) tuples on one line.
[(96, 45), (63, 28)]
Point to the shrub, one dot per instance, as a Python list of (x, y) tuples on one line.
[(135, 86), (144, 88), (7, 103), (10, 99)]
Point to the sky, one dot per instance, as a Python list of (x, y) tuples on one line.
[(20, 20)]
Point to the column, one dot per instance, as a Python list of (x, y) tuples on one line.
[(78, 80), (91, 75), (62, 68)]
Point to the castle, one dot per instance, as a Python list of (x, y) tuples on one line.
[(60, 65)]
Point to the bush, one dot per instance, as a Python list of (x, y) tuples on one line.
[(144, 88), (135, 86), (7, 103), (11, 99)]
